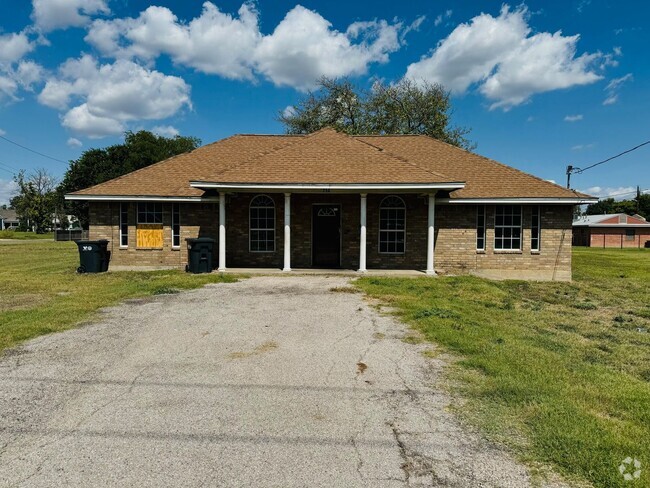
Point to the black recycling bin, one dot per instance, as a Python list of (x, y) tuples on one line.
[(199, 255), (93, 256)]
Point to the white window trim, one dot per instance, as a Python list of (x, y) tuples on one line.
[(122, 223), (521, 218), (391, 230), (539, 229), (478, 208), (174, 223), (250, 229)]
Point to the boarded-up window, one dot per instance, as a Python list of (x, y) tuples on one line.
[(149, 232)]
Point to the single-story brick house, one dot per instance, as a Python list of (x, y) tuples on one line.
[(611, 230), (331, 200)]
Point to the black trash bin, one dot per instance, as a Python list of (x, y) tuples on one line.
[(93, 256), (199, 255)]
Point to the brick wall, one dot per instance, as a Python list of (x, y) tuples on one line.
[(455, 247), (197, 220), (615, 237), (455, 236)]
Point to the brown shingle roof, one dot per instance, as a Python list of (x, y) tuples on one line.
[(483, 177), (330, 157), (327, 156)]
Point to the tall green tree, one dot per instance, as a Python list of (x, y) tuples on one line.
[(405, 107), (35, 203), (140, 149)]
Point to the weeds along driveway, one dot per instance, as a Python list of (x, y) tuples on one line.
[(271, 381)]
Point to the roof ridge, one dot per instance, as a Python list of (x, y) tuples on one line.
[(246, 161), (348, 137), (401, 158)]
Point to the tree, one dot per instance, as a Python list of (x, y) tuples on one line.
[(405, 107), (639, 205), (35, 202), (94, 166)]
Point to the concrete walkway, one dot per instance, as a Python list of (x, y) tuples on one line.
[(272, 381)]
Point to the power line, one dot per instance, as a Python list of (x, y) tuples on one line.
[(9, 166), (33, 151), (572, 169), (582, 170), (623, 193)]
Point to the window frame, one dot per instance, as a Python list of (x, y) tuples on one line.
[(176, 225), (512, 214), (481, 214), (150, 209), (251, 229), (536, 226), (382, 207), (124, 225), (632, 236)]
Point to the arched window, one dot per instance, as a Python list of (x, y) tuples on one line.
[(392, 225), (262, 224)]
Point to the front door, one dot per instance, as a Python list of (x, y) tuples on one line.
[(326, 236)]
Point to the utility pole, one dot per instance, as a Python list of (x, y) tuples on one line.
[(569, 170), (638, 199)]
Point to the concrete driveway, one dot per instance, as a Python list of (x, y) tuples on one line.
[(272, 381)]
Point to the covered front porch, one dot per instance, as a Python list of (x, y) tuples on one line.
[(332, 231)]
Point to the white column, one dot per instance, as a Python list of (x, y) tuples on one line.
[(222, 231), (362, 234), (287, 232), (430, 235)]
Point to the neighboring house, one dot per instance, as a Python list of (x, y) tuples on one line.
[(8, 219), (611, 230), (329, 200)]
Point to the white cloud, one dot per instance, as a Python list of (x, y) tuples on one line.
[(74, 142), (289, 111), (618, 193), (506, 62), (165, 130), (302, 48), (107, 96), (580, 147), (15, 73), (14, 47), (573, 118), (8, 189), (49, 15), (438, 20), (214, 42), (614, 86)]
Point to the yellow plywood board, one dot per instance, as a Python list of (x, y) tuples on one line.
[(149, 235)]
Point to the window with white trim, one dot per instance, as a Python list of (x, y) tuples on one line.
[(535, 228), (392, 225), (176, 225), (480, 228), (262, 224), (507, 228), (124, 224)]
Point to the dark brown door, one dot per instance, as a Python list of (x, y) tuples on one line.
[(326, 236)]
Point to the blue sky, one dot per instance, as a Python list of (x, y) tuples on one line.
[(542, 84)]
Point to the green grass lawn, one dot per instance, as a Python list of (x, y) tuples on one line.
[(40, 292), (558, 371), (14, 234)]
